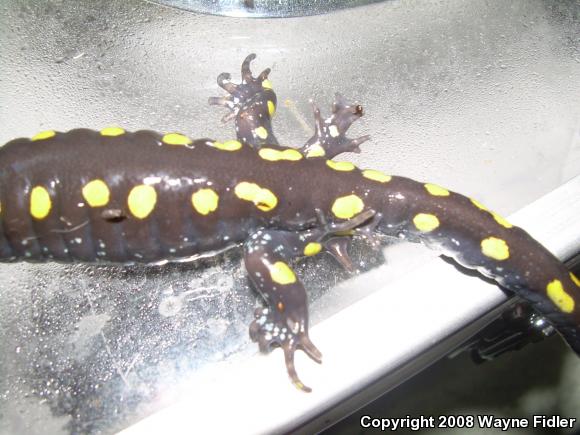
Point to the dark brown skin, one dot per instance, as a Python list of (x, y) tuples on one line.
[(123, 197)]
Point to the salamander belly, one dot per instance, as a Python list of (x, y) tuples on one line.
[(145, 223)]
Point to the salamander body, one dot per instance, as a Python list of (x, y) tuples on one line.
[(117, 196)]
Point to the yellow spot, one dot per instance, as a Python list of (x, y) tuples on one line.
[(435, 190), (275, 155), (312, 248), (425, 222), (267, 84), (261, 132), (96, 193), (501, 220), (40, 203), (262, 198), (112, 131), (281, 273), (495, 248), (280, 306), (141, 200), (44, 135), (348, 206), (333, 131), (340, 166), (376, 176), (316, 150), (271, 108), (229, 145), (576, 280), (558, 295), (479, 204), (205, 201), (498, 218), (299, 385), (175, 139)]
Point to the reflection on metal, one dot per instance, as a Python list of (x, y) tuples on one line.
[(264, 8)]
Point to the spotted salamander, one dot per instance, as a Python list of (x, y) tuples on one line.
[(117, 196)]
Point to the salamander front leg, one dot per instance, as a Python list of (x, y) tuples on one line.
[(329, 138), (252, 103)]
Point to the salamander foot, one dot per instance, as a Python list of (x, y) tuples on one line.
[(243, 93), (329, 138), (271, 328)]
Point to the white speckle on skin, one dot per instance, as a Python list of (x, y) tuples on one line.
[(173, 182), (151, 180), (296, 328)]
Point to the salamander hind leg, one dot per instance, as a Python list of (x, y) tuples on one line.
[(252, 103), (329, 137), (285, 321)]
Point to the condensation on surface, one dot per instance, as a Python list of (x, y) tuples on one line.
[(480, 97)]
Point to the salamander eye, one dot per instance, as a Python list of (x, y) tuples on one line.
[(358, 110), (113, 215)]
